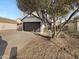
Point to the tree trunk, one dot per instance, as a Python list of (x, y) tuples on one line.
[(54, 29)]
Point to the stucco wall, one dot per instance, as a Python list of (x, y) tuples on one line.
[(8, 26), (72, 27), (42, 28), (78, 26)]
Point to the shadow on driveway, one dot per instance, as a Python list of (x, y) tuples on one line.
[(3, 45), (13, 53)]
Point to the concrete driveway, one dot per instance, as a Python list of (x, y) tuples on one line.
[(12, 42)]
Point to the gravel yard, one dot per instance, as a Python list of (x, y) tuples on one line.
[(26, 45)]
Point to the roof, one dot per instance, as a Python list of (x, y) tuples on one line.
[(6, 20), (31, 19)]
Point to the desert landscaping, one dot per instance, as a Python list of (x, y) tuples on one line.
[(27, 45), (13, 39), (39, 29)]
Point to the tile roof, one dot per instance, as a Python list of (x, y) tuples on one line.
[(6, 20)]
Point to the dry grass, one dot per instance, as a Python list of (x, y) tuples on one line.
[(60, 48)]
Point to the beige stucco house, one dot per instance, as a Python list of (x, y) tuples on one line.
[(73, 25), (7, 24)]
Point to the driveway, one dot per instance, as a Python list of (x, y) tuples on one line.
[(12, 42)]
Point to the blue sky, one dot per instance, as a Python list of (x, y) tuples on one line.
[(8, 9)]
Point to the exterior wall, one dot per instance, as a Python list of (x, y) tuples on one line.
[(42, 28), (78, 26), (20, 27), (72, 27), (8, 26)]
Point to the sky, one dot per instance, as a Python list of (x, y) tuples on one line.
[(8, 9)]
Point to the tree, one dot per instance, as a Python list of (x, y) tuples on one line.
[(52, 8)]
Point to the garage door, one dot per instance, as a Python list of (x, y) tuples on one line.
[(31, 26)]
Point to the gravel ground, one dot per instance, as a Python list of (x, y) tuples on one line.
[(26, 45), (13, 41), (58, 48)]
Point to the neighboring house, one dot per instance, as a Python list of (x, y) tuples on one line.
[(31, 24), (7, 24), (72, 26)]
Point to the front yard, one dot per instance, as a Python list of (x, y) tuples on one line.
[(27, 45)]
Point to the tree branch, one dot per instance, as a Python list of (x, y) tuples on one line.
[(47, 19), (67, 20)]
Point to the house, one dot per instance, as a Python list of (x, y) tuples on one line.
[(72, 25), (31, 23), (7, 24)]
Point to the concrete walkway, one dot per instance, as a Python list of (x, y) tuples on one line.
[(13, 42)]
